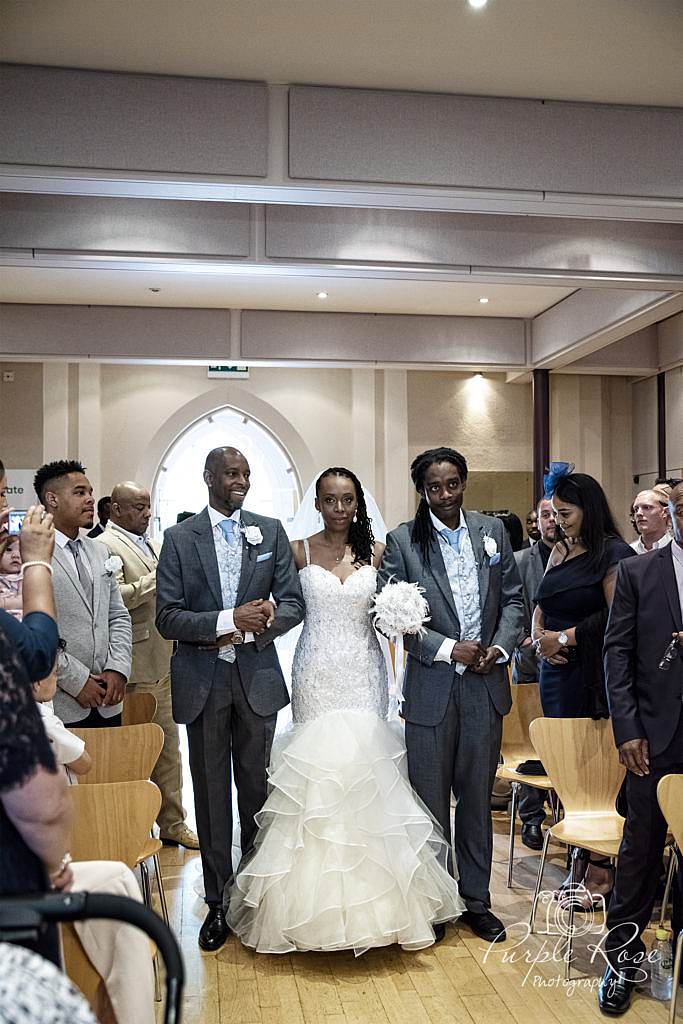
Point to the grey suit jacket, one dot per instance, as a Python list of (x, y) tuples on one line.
[(189, 600), (525, 667), (428, 682), (97, 638)]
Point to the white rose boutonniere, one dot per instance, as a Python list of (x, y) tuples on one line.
[(113, 564), (252, 534), (490, 546)]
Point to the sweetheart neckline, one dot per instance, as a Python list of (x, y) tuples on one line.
[(314, 565)]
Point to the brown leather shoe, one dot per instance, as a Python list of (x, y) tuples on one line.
[(183, 837)]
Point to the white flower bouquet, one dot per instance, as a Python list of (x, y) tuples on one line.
[(400, 610)]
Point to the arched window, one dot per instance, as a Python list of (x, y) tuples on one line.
[(179, 486)]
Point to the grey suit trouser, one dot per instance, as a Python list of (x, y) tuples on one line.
[(227, 734), (460, 755)]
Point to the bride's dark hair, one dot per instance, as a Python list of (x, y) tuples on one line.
[(361, 539)]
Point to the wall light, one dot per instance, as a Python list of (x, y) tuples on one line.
[(483, 300), (477, 4)]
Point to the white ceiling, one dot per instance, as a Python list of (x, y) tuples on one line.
[(616, 51), (251, 291)]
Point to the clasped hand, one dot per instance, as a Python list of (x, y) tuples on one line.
[(478, 658), (254, 617), (102, 689), (549, 648)]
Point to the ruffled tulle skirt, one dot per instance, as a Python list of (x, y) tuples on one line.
[(347, 856)]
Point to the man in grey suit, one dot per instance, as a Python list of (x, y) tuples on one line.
[(456, 686), (531, 563), (216, 574), (92, 618)]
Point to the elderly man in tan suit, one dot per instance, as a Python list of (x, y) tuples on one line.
[(125, 536)]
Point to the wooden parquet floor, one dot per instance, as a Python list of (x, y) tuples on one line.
[(455, 982)]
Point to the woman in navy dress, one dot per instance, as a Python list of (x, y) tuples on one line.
[(573, 602)]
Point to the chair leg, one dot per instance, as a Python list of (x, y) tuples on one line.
[(678, 961), (539, 879), (147, 900), (513, 815), (160, 886), (572, 905), (554, 805), (671, 870)]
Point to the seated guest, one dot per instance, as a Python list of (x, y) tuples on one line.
[(103, 511), (93, 671), (68, 748), (569, 620), (651, 520), (645, 690), (531, 562), (10, 578)]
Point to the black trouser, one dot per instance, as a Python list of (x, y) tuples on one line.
[(639, 865), (95, 721)]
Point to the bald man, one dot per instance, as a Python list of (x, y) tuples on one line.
[(126, 536), (644, 689), (651, 519), (217, 574)]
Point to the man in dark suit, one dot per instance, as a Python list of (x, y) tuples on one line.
[(645, 704), (533, 532), (531, 563), (216, 574), (456, 685)]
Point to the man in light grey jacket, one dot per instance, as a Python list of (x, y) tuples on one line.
[(91, 615), (456, 686)]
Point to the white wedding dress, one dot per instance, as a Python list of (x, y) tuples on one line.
[(346, 856)]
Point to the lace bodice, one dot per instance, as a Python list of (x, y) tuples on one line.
[(338, 663)]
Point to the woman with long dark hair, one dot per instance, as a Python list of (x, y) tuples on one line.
[(346, 856), (573, 603)]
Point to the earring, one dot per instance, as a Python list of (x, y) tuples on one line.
[(355, 517)]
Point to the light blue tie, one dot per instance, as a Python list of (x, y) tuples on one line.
[(452, 538), (228, 528)]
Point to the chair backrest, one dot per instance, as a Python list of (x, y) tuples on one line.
[(138, 708), (526, 706), (124, 753), (670, 796), (581, 761), (113, 820)]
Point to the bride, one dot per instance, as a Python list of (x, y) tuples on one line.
[(346, 856)]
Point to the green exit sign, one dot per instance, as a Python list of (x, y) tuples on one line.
[(222, 372)]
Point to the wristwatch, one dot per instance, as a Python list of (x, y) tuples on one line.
[(562, 638)]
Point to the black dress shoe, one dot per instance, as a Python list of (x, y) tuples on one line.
[(214, 931), (439, 932), (486, 925), (615, 991), (532, 836)]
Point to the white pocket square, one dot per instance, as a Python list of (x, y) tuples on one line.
[(264, 557), (495, 559)]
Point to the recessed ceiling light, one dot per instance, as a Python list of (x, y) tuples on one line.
[(477, 4), (479, 376), (322, 295), (483, 300), (155, 290)]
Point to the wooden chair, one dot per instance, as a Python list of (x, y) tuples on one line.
[(138, 709), (670, 796), (516, 748), (128, 754), (583, 765), (125, 754), (112, 821)]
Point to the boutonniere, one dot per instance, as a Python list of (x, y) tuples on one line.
[(252, 534), (112, 565), (490, 546)]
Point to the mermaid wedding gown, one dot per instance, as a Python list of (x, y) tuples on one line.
[(346, 856)]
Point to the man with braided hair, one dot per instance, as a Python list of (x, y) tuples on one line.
[(456, 686)]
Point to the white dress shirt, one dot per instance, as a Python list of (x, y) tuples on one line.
[(640, 548), (226, 617)]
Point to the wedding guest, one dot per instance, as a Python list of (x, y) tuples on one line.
[(645, 694), (651, 520), (456, 686), (103, 512), (570, 617), (533, 533), (93, 618), (531, 563), (126, 539)]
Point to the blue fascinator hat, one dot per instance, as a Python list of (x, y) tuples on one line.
[(556, 471)]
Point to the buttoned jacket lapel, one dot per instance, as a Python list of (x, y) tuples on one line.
[(130, 546), (206, 550), (66, 563), (437, 568), (248, 559), (668, 574)]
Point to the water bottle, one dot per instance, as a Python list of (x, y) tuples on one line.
[(661, 966)]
